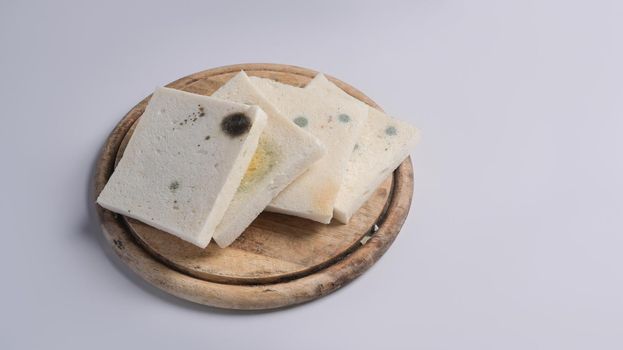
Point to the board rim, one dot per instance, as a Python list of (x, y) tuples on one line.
[(249, 296)]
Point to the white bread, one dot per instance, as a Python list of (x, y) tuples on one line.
[(284, 152), (337, 122), (384, 143), (184, 163)]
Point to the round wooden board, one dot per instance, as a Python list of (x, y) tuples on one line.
[(279, 260)]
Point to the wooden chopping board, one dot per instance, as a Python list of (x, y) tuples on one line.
[(279, 260)]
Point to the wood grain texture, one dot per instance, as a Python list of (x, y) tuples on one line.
[(280, 260)]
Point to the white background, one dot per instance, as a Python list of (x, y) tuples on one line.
[(514, 240)]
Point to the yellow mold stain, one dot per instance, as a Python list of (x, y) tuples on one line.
[(264, 159)]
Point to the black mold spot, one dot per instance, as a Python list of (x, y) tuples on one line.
[(390, 130), (236, 124), (344, 118), (174, 186)]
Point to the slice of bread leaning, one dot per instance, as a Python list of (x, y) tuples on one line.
[(184, 163), (383, 144), (284, 152), (337, 122)]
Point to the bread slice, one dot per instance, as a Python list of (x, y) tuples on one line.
[(384, 143), (337, 122), (184, 163), (284, 152)]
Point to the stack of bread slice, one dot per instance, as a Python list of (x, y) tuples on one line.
[(204, 167)]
